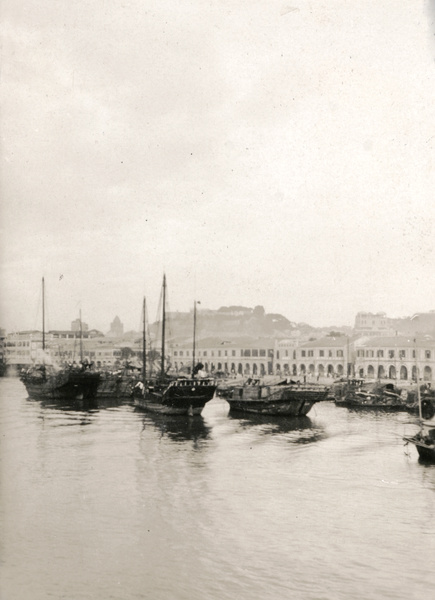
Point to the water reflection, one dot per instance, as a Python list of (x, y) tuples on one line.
[(84, 405), (299, 430), (178, 428)]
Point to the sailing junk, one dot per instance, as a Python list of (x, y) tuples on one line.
[(71, 383), (75, 382), (276, 397), (172, 395)]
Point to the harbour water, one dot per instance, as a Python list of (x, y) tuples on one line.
[(113, 503)]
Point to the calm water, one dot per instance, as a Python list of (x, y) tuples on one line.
[(116, 504)]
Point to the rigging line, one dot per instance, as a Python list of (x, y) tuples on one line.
[(37, 320)]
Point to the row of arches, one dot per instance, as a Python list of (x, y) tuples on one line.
[(392, 373), (261, 369), (234, 368)]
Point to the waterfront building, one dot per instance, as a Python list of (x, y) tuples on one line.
[(24, 348), (243, 356), (396, 357), (325, 357), (21, 348), (285, 353)]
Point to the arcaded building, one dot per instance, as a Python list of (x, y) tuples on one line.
[(397, 357)]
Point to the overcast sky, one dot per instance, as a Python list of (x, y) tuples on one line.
[(257, 151)]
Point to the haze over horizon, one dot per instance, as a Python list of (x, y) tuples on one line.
[(258, 153)]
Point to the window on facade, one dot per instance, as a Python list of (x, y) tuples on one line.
[(402, 354), (219, 352), (205, 353), (390, 353), (310, 352), (255, 353), (303, 353), (181, 353), (340, 353), (380, 354), (321, 353), (427, 353), (330, 353), (262, 352), (233, 353)]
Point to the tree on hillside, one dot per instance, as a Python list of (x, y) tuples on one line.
[(258, 312)]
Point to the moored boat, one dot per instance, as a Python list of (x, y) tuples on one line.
[(45, 381), (180, 396), (424, 441), (387, 396), (117, 385), (275, 397), (171, 395)]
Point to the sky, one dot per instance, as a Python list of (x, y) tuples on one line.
[(258, 152)]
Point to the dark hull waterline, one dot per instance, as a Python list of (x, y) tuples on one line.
[(63, 386), (185, 398), (275, 400)]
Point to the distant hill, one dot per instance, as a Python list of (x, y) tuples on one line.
[(236, 322)]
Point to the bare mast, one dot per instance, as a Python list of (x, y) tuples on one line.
[(81, 336), (194, 337), (144, 359), (43, 314), (163, 326), (416, 379)]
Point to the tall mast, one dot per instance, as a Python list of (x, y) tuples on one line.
[(194, 336), (43, 314), (81, 336), (144, 359), (416, 378), (163, 325)]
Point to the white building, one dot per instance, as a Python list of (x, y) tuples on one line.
[(396, 357)]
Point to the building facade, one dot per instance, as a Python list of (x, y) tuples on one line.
[(245, 356), (23, 349), (372, 324), (397, 357), (326, 357)]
